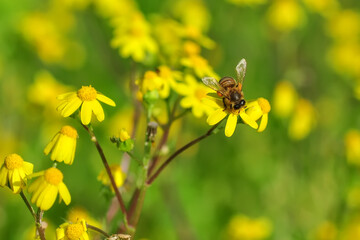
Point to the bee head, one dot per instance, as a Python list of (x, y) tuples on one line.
[(240, 104)]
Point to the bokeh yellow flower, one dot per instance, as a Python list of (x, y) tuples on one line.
[(284, 99), (118, 174), (352, 147), (63, 145), (133, 38), (242, 227), (199, 65), (259, 109), (46, 188), (194, 92), (303, 120), (344, 26), (13, 172), (77, 213), (285, 15), (86, 97), (72, 231), (152, 81), (220, 113), (42, 91), (353, 198)]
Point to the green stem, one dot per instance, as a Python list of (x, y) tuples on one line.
[(39, 227), (28, 205), (98, 230)]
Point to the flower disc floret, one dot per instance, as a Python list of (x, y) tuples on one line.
[(13, 161), (74, 231), (87, 93), (53, 176), (69, 131)]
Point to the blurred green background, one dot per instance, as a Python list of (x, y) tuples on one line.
[(298, 179)]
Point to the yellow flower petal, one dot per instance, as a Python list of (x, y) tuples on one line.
[(105, 99), (49, 198), (64, 193), (263, 123), (3, 176), (15, 182), (216, 116), (51, 144), (86, 112), (248, 120), (71, 107), (60, 233), (230, 125), (98, 111), (28, 167), (66, 95)]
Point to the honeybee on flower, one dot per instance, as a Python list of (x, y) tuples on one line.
[(233, 102)]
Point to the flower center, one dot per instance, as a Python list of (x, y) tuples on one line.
[(200, 93), (264, 105), (53, 176), (69, 131), (13, 161), (87, 93), (150, 75), (74, 231), (191, 48), (165, 72)]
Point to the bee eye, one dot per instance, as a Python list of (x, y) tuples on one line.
[(237, 106), (242, 102)]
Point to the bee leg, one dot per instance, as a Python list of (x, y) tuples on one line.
[(224, 103)]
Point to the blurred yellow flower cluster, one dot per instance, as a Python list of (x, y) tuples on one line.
[(242, 227), (49, 33), (288, 104)]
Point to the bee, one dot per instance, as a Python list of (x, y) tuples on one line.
[(229, 88)]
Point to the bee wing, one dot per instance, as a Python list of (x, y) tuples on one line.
[(213, 84), (241, 70)]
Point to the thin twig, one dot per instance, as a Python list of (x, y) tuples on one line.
[(28, 205), (97, 230), (39, 227), (108, 170), (180, 150)]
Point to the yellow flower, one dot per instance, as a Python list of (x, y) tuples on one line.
[(13, 172), (63, 145), (191, 48), (348, 18), (45, 189), (352, 147), (86, 97), (285, 98), (286, 15), (72, 231), (152, 81), (124, 135), (303, 120), (42, 91), (242, 227), (200, 66), (345, 58), (133, 38), (118, 174), (194, 92), (220, 113), (169, 76), (259, 109), (76, 213)]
